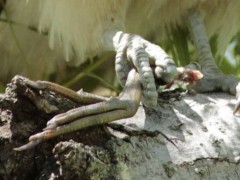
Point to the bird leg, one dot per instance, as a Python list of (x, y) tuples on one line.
[(96, 109), (134, 51), (213, 78), (81, 97), (123, 106)]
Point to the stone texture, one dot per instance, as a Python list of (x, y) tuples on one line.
[(203, 128)]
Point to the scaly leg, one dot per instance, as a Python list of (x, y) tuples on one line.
[(99, 110), (123, 106), (81, 97), (134, 51), (213, 78)]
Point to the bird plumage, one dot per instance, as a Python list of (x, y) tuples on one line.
[(80, 24), (76, 28)]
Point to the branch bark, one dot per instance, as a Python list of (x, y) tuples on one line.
[(203, 128)]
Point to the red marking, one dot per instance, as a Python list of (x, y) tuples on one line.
[(190, 76)]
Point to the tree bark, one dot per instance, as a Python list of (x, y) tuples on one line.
[(203, 140)]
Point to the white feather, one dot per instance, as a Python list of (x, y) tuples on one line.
[(76, 27)]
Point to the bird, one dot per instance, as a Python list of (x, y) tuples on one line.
[(78, 29)]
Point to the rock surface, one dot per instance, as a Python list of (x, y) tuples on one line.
[(206, 135)]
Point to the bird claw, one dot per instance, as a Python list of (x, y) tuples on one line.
[(27, 146), (40, 85), (124, 106), (79, 97), (134, 51)]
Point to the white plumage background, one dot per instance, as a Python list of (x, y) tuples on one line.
[(75, 29)]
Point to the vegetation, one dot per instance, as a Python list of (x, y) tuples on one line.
[(178, 45)]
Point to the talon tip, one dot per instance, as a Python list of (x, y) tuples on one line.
[(17, 149), (27, 146)]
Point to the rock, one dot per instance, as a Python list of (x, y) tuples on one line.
[(203, 128)]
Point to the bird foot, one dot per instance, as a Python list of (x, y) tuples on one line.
[(149, 60), (98, 110), (215, 80), (94, 110)]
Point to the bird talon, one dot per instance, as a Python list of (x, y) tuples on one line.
[(27, 146), (46, 134), (35, 84), (93, 114)]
